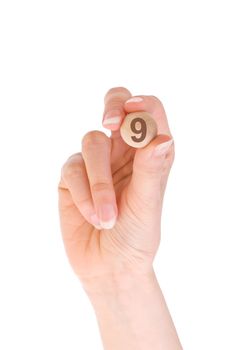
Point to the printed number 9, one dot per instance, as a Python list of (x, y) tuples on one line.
[(141, 131)]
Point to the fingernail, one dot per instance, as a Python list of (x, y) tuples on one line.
[(134, 99), (107, 216), (112, 118), (111, 121), (95, 221), (162, 148)]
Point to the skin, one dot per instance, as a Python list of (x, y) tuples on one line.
[(113, 258)]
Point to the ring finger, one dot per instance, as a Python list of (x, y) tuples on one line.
[(75, 180)]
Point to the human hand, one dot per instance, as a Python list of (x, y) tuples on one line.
[(111, 195)]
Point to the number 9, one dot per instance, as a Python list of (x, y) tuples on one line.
[(142, 130)]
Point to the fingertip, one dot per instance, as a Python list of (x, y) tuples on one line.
[(134, 103), (161, 149), (112, 119), (107, 214)]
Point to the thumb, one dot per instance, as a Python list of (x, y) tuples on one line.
[(150, 164)]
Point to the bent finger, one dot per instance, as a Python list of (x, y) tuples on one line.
[(114, 107), (75, 178), (96, 150)]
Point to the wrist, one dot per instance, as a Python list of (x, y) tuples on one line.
[(117, 284), (131, 311)]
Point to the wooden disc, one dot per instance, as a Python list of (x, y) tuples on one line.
[(138, 129)]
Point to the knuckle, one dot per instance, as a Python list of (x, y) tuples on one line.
[(100, 186), (117, 91), (171, 156), (157, 100), (158, 105), (94, 137), (75, 157), (152, 172), (72, 168), (82, 202)]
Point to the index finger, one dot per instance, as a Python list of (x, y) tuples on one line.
[(114, 112)]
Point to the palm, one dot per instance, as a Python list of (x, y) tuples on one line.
[(92, 251)]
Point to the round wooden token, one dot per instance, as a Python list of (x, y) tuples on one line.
[(138, 129)]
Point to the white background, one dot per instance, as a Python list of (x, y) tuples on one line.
[(57, 60)]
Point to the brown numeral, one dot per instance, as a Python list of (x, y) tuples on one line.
[(142, 130)]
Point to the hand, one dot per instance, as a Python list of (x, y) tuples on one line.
[(111, 195)]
